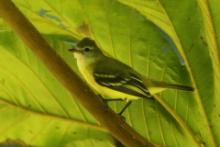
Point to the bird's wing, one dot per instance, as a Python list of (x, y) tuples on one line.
[(120, 77)]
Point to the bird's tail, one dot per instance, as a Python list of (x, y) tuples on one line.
[(159, 86), (172, 86)]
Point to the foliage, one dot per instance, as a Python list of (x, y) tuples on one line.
[(173, 41)]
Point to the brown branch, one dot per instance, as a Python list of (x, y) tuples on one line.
[(80, 91)]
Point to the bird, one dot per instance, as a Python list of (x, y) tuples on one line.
[(114, 80)]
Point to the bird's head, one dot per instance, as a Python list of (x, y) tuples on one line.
[(86, 48)]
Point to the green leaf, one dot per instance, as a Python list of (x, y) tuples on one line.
[(191, 31), (31, 109), (164, 40)]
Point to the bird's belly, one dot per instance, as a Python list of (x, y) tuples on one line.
[(105, 92)]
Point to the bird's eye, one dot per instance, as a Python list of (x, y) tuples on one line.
[(86, 49)]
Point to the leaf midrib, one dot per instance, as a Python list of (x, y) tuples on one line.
[(50, 115)]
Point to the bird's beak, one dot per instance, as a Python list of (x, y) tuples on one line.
[(74, 50)]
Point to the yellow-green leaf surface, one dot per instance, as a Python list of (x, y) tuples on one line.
[(181, 27), (31, 108), (162, 39)]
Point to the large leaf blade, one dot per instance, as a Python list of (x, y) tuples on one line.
[(128, 36), (32, 110)]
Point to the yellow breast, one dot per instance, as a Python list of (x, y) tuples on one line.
[(86, 70)]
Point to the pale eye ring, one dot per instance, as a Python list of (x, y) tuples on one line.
[(86, 49)]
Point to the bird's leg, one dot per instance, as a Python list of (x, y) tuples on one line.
[(106, 100), (125, 107), (112, 100)]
